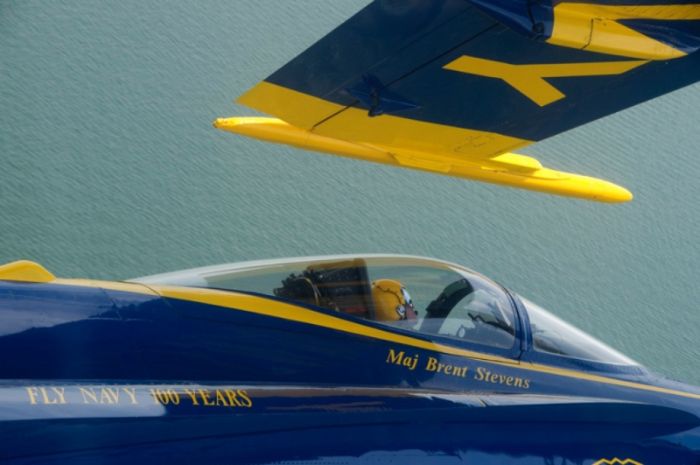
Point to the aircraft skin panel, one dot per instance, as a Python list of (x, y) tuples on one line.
[(479, 101), (397, 38), (210, 314), (259, 424), (508, 169), (387, 131), (472, 80), (125, 370), (613, 29), (686, 38)]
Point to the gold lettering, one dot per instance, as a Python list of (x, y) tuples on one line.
[(131, 392), (49, 396), (165, 397), (442, 367), (221, 400), (155, 393), (109, 395), (32, 392), (400, 358), (446, 368), (193, 396), (482, 374), (232, 397), (60, 392), (247, 402), (411, 362), (45, 396), (395, 358), (173, 396), (204, 395), (88, 395)]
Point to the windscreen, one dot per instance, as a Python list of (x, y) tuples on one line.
[(554, 336)]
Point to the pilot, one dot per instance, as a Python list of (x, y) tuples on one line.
[(392, 302)]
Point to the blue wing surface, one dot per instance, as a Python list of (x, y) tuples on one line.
[(453, 86)]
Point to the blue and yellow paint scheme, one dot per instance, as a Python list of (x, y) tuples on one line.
[(453, 87), (182, 368)]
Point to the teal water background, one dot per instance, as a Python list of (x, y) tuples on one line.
[(109, 168)]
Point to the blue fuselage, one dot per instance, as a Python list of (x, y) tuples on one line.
[(91, 370)]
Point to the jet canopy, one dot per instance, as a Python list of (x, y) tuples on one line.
[(432, 298)]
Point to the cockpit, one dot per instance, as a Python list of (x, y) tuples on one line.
[(432, 298)]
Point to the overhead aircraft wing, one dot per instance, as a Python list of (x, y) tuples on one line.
[(454, 86)]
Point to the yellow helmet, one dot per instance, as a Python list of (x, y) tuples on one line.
[(392, 301)]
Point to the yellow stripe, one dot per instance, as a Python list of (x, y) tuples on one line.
[(616, 461), (276, 309), (354, 125), (529, 79), (679, 12), (594, 27), (272, 308), (284, 311)]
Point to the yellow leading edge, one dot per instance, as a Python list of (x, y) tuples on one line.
[(507, 169)]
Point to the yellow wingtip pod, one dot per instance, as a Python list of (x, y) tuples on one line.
[(27, 271), (508, 169)]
